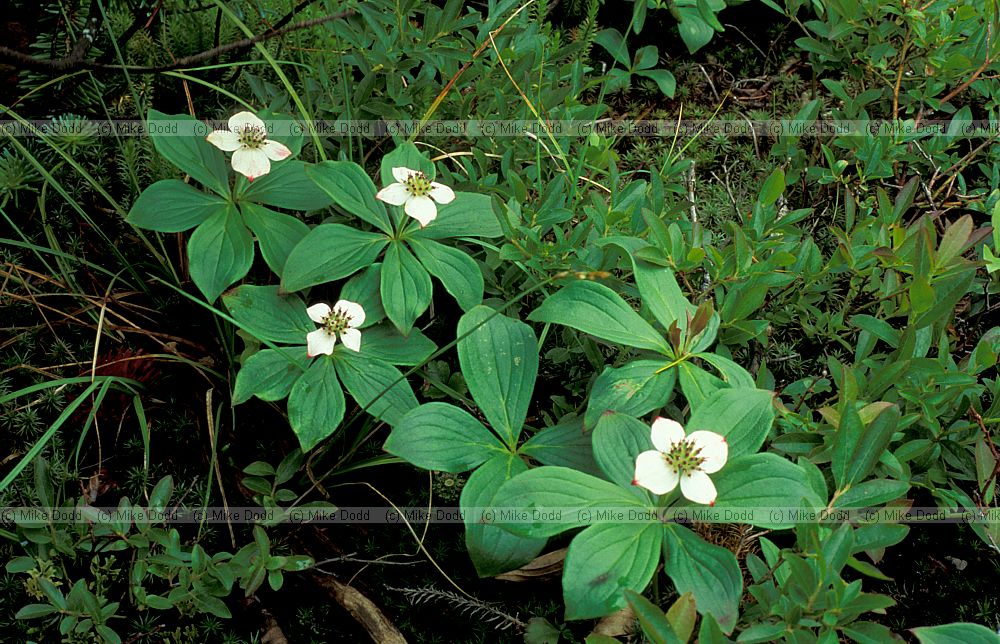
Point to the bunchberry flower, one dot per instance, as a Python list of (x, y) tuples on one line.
[(678, 458), (416, 194), (246, 138), (343, 319)]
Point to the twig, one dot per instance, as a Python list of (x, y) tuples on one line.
[(710, 83), (691, 183), (75, 60)]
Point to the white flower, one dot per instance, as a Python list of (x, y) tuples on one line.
[(246, 138), (416, 193), (679, 458), (344, 318)]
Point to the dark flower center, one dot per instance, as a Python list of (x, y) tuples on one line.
[(336, 322), (683, 457), (252, 137), (418, 184)]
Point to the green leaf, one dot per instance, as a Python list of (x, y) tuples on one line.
[(764, 481), (499, 360), (316, 403), (698, 385), (743, 416), (191, 153), (220, 252), (439, 436), (682, 615), (161, 493), (493, 550), (377, 386), (878, 328), (384, 342), (604, 561), (663, 79), (406, 287), (33, 611), (559, 494), (268, 315), (953, 241), (209, 604), (313, 261), (289, 185), (708, 572), (277, 233), (614, 43), (947, 293), (406, 155), (352, 190), (20, 564), (634, 389), (773, 188), (172, 206), (596, 309), (732, 374), (618, 440), (857, 447), (269, 374), (652, 620), (459, 274), (469, 215), (872, 493), (957, 633), (660, 292), (363, 289), (565, 444), (921, 294), (695, 32)]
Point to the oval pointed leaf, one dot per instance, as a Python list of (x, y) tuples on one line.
[(316, 404), (406, 287), (493, 550), (469, 215), (439, 436), (499, 359), (708, 572), (604, 561), (764, 481), (378, 387), (347, 185), (595, 309), (618, 440), (743, 416), (957, 633), (172, 206), (384, 342), (178, 138), (277, 234), (220, 252), (459, 274), (269, 374), (287, 185), (268, 315), (634, 389), (566, 496), (330, 252)]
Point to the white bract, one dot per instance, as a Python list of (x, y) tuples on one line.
[(684, 459), (343, 319), (416, 194), (246, 138)]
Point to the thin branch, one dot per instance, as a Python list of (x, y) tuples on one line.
[(75, 60)]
